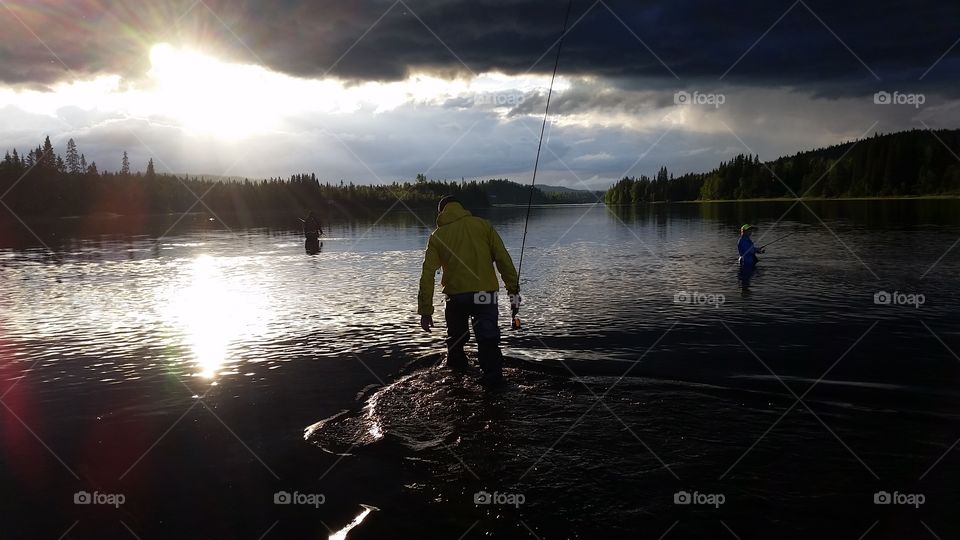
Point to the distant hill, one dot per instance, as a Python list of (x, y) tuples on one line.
[(498, 191), (42, 183), (557, 189), (908, 163), (219, 177), (502, 191)]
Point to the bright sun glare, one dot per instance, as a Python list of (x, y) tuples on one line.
[(206, 95), (209, 96)]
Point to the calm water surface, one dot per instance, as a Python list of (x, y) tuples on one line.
[(181, 370)]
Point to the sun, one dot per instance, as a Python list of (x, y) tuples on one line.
[(209, 96)]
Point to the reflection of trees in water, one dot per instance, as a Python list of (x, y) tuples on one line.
[(869, 212)]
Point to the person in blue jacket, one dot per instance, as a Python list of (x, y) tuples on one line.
[(748, 252)]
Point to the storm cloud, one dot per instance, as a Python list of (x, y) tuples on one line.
[(457, 88), (834, 48)]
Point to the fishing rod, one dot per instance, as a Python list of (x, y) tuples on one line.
[(777, 240), (536, 163)]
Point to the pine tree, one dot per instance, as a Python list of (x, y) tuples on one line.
[(47, 157), (92, 170), (151, 173), (83, 163), (125, 164), (73, 158)]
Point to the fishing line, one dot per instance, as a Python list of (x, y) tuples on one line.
[(546, 112), (777, 240)]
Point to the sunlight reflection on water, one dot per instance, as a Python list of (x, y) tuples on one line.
[(207, 302), (213, 307)]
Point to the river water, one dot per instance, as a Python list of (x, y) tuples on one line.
[(200, 372)]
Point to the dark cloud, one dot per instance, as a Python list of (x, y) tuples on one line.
[(773, 94), (696, 40)]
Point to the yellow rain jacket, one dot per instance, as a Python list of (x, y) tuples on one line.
[(466, 247)]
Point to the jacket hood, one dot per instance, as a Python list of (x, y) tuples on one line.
[(452, 212)]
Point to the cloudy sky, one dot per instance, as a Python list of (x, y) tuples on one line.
[(380, 90)]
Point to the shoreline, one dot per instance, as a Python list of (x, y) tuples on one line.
[(114, 216), (792, 199)]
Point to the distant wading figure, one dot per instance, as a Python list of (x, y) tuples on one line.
[(748, 257), (748, 252), (467, 248), (311, 227), (312, 231)]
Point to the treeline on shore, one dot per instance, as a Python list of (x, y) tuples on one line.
[(42, 183), (909, 163)]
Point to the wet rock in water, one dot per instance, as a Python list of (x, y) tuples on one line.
[(430, 409)]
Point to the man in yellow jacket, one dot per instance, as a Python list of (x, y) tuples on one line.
[(467, 248)]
